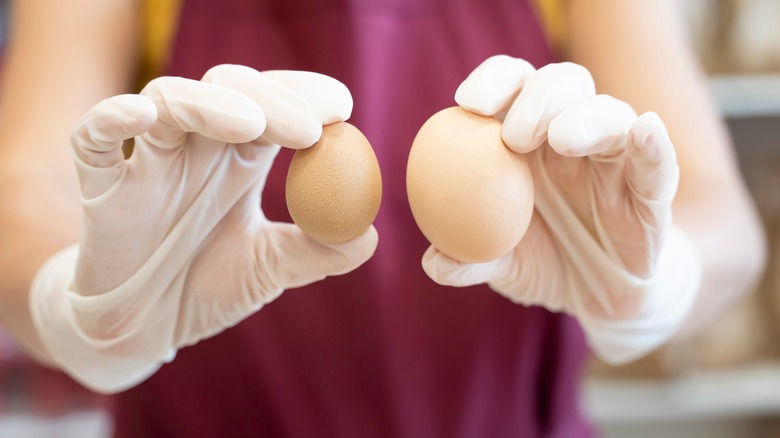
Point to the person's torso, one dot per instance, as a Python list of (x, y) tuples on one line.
[(382, 351)]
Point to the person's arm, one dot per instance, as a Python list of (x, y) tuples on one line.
[(62, 58), (637, 51)]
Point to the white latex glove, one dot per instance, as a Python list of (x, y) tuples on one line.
[(174, 246), (601, 244)]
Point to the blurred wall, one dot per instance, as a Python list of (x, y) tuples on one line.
[(736, 36)]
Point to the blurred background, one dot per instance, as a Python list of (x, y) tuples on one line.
[(724, 383)]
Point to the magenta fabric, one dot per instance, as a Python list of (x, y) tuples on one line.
[(383, 351)]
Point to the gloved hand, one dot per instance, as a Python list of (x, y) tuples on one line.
[(601, 244), (175, 247)]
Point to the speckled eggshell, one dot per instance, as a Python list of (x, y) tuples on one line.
[(470, 195), (334, 187)]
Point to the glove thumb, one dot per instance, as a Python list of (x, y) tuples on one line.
[(292, 259), (450, 272)]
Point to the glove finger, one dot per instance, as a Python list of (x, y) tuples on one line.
[(289, 258), (330, 99), (447, 271), (595, 128), (652, 173), (216, 112), (97, 139), (493, 85), (545, 94), (291, 121)]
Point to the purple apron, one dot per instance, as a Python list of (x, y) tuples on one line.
[(382, 351)]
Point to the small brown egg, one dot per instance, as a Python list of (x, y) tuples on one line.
[(334, 187), (470, 195)]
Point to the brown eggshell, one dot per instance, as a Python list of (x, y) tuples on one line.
[(334, 187), (470, 195)]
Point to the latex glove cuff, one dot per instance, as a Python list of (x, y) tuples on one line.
[(103, 364), (663, 301)]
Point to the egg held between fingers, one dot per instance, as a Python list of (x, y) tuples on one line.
[(334, 187), (470, 195)]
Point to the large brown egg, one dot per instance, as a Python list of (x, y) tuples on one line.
[(334, 187), (470, 195)]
